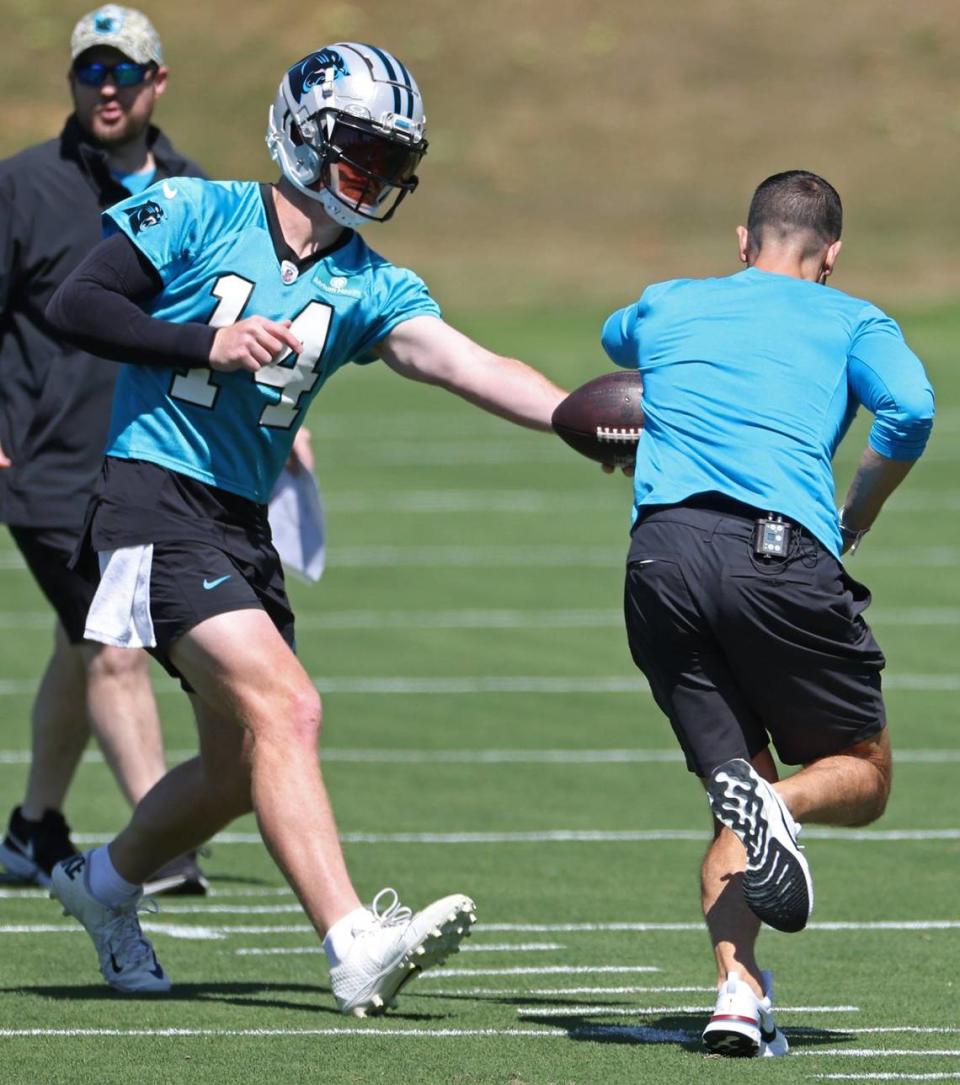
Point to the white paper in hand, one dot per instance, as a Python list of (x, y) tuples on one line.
[(296, 520)]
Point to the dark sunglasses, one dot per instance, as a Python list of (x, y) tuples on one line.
[(124, 74)]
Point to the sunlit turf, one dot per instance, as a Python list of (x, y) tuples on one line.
[(461, 548)]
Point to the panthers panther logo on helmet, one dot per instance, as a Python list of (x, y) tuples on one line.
[(144, 215), (347, 129), (312, 71)]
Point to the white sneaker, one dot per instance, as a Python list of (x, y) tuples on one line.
[(394, 947), (776, 884), (127, 959), (742, 1024)]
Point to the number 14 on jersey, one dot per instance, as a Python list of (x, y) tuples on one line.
[(292, 379)]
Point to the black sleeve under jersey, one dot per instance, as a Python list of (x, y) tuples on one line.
[(96, 307)]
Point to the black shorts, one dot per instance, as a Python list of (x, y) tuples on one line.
[(739, 649), (47, 552), (211, 550)]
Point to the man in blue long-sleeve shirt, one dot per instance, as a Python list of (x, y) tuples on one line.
[(738, 609)]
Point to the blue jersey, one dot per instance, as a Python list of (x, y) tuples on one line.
[(751, 381), (218, 249)]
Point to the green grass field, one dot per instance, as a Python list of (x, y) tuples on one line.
[(486, 732)]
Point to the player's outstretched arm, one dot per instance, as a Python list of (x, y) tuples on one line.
[(427, 349)]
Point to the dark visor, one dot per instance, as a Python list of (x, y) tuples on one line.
[(375, 154)]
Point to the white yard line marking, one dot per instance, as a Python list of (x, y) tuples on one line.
[(365, 620), (526, 992), (228, 909), (589, 836), (872, 1053), (547, 970), (905, 1028), (505, 947), (512, 947), (489, 757), (639, 1035), (949, 1076), (495, 757), (867, 925), (202, 932), (523, 684), (278, 951), (631, 1011)]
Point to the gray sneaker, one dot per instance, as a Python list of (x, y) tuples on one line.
[(396, 946), (127, 959)]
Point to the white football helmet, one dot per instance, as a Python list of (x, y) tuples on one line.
[(347, 129)]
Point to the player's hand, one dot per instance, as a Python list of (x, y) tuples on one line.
[(609, 468), (5, 460), (301, 454), (251, 344)]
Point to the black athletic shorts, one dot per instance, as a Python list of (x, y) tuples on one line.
[(47, 552), (740, 649), (212, 550)]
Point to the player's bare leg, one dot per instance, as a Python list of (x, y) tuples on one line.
[(732, 925), (848, 788), (123, 717), (742, 1022), (239, 661), (193, 801), (59, 730)]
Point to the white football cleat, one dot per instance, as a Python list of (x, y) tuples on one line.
[(776, 884), (395, 946), (742, 1024), (127, 959)]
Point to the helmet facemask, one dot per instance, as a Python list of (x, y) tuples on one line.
[(361, 166)]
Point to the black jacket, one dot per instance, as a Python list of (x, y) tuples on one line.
[(54, 399)]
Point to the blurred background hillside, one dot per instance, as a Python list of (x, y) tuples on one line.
[(580, 150)]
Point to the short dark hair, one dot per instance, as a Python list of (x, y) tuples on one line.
[(795, 202)]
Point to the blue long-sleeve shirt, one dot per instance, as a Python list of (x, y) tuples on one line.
[(751, 381)]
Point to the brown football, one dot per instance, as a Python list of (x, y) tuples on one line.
[(602, 419)]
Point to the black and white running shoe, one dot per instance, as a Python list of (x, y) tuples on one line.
[(31, 849), (776, 884)]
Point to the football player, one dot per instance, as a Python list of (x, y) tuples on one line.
[(236, 302)]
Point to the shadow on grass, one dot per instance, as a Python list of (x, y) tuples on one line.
[(249, 995), (680, 1029)]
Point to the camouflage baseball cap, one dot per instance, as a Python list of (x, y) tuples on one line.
[(124, 29)]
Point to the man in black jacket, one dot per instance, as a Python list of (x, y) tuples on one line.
[(54, 410)]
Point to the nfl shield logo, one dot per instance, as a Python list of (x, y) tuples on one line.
[(288, 272)]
